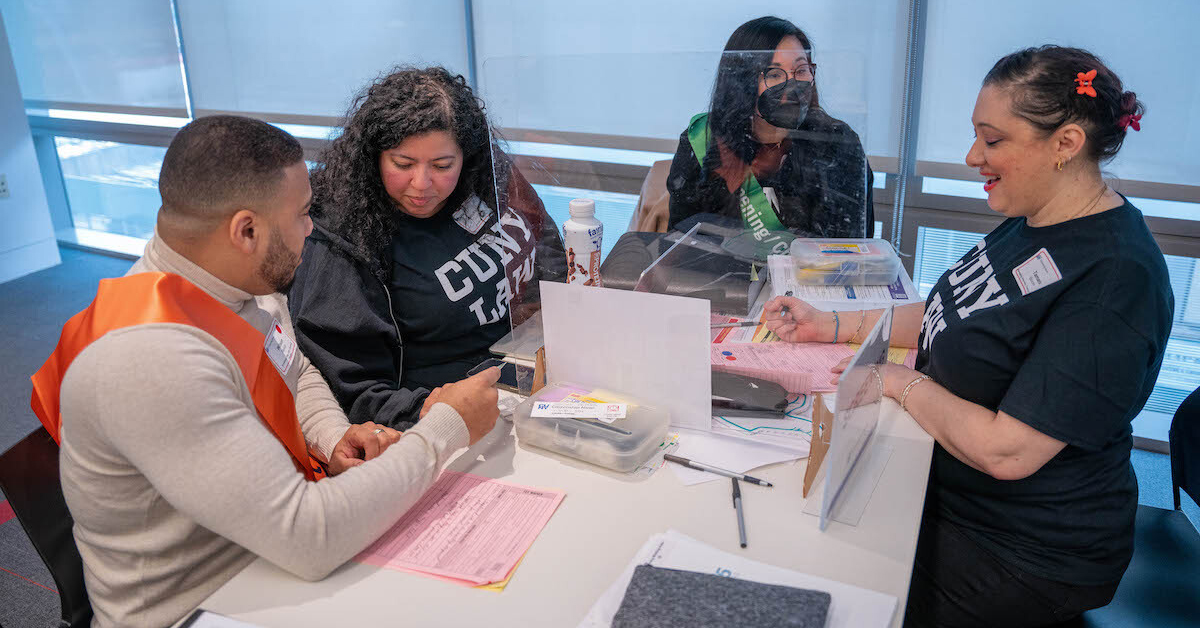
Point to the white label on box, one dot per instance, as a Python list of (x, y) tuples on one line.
[(607, 412)]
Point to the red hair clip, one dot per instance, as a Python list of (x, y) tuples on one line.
[(1085, 83), (1130, 120)]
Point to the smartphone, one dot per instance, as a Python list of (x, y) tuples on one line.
[(508, 373)]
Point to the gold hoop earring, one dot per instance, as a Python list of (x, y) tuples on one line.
[(1060, 165)]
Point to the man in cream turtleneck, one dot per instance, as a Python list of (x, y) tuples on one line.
[(174, 481)]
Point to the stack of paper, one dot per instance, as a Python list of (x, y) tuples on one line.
[(466, 529), (852, 607)]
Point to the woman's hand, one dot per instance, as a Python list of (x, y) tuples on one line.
[(840, 368), (895, 377), (800, 322)]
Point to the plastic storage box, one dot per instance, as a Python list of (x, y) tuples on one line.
[(621, 445), (845, 261)]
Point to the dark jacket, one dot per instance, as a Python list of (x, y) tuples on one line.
[(345, 316), (342, 314), (824, 184)]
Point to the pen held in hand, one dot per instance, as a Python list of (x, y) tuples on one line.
[(737, 324)]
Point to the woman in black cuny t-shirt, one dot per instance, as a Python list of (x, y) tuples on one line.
[(1035, 352)]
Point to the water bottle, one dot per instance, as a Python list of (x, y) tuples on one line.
[(582, 234)]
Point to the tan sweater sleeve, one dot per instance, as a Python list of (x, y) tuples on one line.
[(321, 418), (171, 400)]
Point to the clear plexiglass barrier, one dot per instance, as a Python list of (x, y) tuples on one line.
[(741, 151)]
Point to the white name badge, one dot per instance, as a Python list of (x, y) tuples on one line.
[(472, 215), (607, 412), (1036, 272), (280, 348)]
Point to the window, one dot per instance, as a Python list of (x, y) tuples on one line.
[(959, 51), (295, 58), (579, 74), (117, 53), (937, 250), (612, 208), (111, 187)]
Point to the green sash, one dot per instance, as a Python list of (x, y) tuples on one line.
[(757, 214)]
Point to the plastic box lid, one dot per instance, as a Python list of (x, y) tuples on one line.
[(844, 261), (621, 445)]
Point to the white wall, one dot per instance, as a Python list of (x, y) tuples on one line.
[(27, 242)]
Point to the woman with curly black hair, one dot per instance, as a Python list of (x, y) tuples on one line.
[(407, 278), (765, 155)]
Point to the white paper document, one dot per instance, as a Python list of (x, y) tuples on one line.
[(852, 607), (651, 347), (727, 453), (792, 431)]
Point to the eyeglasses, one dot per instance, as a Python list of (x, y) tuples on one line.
[(775, 76)]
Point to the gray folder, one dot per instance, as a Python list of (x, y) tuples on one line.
[(662, 598)]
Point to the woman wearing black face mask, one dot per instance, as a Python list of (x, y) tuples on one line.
[(765, 155)]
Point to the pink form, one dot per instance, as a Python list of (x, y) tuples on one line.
[(798, 367), (467, 528)]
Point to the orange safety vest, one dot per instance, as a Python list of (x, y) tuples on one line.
[(147, 298)]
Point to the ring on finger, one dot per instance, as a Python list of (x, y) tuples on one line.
[(378, 430)]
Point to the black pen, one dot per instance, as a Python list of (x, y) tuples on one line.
[(737, 505), (699, 466)]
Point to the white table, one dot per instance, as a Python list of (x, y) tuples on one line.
[(602, 522)]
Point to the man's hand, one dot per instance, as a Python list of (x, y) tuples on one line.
[(435, 396), (474, 398), (359, 444)]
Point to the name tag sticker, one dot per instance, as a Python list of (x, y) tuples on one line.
[(472, 215), (1036, 272), (607, 412), (280, 348)]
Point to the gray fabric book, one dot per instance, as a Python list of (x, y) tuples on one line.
[(662, 598)]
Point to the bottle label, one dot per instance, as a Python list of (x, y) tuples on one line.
[(583, 255)]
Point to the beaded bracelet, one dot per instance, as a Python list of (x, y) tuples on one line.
[(904, 395), (836, 326), (878, 379)]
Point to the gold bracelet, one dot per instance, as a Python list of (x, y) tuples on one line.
[(909, 387), (862, 316), (878, 379)]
